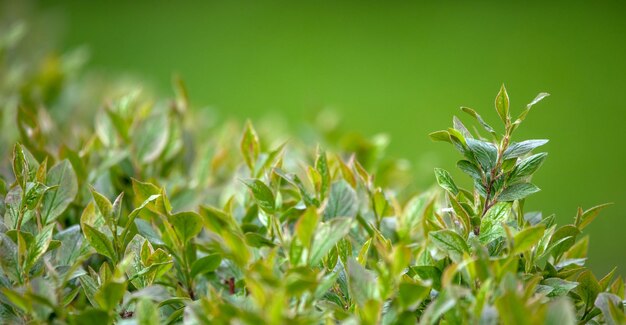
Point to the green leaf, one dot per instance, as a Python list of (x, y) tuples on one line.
[(328, 234), (250, 146), (502, 105), (561, 312), (485, 152), (461, 214), (256, 240), (458, 125), (262, 195), (527, 238), (588, 288), (470, 169), (612, 308), (133, 254), (321, 165), (491, 223), (186, 225), (306, 225), (524, 113), (147, 312), (559, 286), (18, 299), (450, 243), (342, 201), (361, 283), (8, 257), (518, 149), (527, 167), (62, 179), (589, 215), (71, 246), (517, 192), (99, 242), (480, 120), (206, 264), (150, 138), (427, 273), (90, 316), (110, 295), (442, 136), (39, 246), (444, 179), (20, 166), (145, 192), (104, 205)]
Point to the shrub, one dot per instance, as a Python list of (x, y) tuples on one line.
[(146, 215)]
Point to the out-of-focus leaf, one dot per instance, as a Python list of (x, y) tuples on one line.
[(205, 264), (327, 235), (150, 138), (147, 312), (306, 225), (612, 308), (250, 146), (262, 194)]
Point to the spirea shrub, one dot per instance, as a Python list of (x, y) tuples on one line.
[(145, 212)]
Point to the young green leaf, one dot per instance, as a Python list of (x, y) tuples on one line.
[(150, 138), (342, 201), (518, 149), (470, 169), (480, 120), (262, 194), (99, 241), (502, 105), (486, 153), (186, 225), (527, 167), (104, 205), (442, 135), (321, 165), (517, 192), (306, 225), (8, 257), (206, 264), (328, 234), (64, 187), (250, 147), (584, 219), (524, 113), (39, 246), (450, 243), (527, 238), (444, 179)]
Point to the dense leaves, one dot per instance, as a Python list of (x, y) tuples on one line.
[(145, 212)]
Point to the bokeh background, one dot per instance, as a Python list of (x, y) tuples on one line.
[(396, 67)]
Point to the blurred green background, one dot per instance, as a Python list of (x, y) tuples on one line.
[(401, 68)]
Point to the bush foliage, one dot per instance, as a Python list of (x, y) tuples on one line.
[(143, 211)]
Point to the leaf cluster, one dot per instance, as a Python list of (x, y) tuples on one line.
[(150, 215)]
